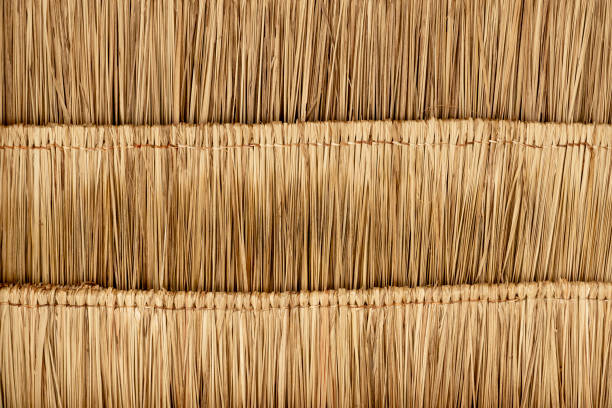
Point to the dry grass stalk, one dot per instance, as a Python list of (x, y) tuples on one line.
[(306, 206), (171, 61), (508, 345)]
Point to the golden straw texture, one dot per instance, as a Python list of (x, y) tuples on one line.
[(171, 61), (306, 206), (537, 344), (293, 182)]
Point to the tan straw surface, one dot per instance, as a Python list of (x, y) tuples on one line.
[(537, 344), (171, 61), (312, 173), (306, 206)]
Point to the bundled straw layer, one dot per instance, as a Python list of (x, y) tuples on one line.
[(118, 168), (306, 206), (171, 61), (531, 345)]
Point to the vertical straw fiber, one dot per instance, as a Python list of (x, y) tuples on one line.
[(251, 61), (310, 172), (306, 206), (537, 344)]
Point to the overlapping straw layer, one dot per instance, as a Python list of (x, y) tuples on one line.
[(537, 344), (306, 206), (117, 168), (171, 61)]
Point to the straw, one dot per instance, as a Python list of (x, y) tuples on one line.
[(306, 206), (538, 344)]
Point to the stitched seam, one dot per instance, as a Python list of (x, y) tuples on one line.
[(298, 307), (171, 146)]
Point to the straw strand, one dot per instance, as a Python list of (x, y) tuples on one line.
[(306, 206)]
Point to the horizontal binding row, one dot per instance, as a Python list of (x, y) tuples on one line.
[(218, 137), (41, 296), (170, 146)]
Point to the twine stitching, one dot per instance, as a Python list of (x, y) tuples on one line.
[(297, 307), (172, 146)]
